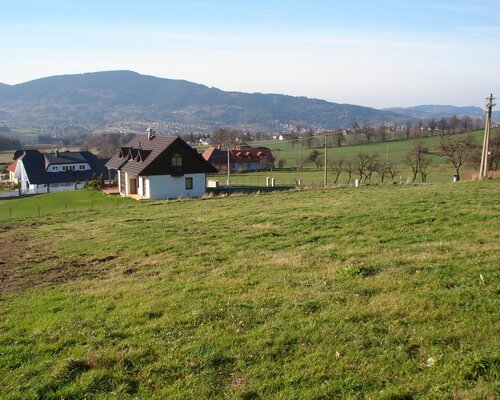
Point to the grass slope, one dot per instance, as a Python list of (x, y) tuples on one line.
[(61, 203), (380, 292)]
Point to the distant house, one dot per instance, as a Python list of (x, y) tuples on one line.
[(218, 158), (245, 158), (12, 172), (57, 171), (159, 167)]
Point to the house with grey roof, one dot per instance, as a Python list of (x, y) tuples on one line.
[(160, 167), (38, 172)]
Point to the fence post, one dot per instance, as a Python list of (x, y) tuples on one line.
[(38, 209)]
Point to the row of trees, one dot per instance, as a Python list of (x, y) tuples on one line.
[(456, 149), (8, 143), (107, 144)]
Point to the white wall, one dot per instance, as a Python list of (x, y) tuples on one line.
[(169, 187)]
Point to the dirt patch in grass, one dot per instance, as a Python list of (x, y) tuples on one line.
[(27, 263)]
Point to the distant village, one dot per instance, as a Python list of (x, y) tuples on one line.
[(154, 165)]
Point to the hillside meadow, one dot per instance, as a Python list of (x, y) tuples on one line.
[(381, 292)]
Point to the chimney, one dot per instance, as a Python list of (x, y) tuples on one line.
[(56, 153), (151, 133), (219, 147)]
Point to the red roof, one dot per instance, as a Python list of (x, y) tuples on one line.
[(12, 167), (253, 155)]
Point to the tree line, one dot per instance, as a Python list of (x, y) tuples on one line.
[(457, 149)]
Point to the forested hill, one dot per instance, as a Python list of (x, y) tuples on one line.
[(117, 96)]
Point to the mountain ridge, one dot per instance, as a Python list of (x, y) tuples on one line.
[(107, 97), (112, 96)]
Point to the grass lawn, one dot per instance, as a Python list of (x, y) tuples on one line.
[(386, 292), (61, 203), (393, 151)]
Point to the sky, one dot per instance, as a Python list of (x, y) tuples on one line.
[(384, 53)]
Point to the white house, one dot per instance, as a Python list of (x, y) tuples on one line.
[(160, 167), (38, 172)]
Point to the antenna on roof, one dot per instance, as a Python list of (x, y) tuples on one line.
[(151, 133)]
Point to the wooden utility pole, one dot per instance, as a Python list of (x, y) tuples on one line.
[(483, 169), (324, 175)]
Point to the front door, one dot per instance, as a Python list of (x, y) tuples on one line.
[(133, 186)]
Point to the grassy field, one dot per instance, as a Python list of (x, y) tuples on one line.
[(379, 292), (439, 173), (441, 170), (393, 151), (61, 203)]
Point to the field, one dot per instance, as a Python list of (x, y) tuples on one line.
[(61, 203), (386, 292), (441, 170)]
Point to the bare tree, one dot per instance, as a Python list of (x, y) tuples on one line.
[(372, 165), (361, 164), (408, 128), (337, 167), (418, 160), (467, 123), (392, 169), (309, 138), (281, 163), (225, 137), (382, 171), (431, 126), (338, 137), (453, 124), (424, 168), (495, 151), (454, 148), (442, 125), (348, 168)]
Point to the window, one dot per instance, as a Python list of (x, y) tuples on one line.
[(189, 183), (55, 168), (81, 167), (176, 165), (176, 160)]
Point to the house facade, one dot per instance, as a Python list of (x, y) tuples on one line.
[(57, 171), (160, 167), (244, 159)]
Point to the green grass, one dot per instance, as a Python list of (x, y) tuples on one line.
[(394, 151), (439, 173), (60, 203), (379, 292), (441, 170)]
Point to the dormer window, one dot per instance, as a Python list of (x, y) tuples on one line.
[(55, 168)]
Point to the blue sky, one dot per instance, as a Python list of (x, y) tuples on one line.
[(375, 53)]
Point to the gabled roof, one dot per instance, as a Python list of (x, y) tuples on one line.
[(255, 155), (142, 151), (12, 166), (217, 156), (35, 165)]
